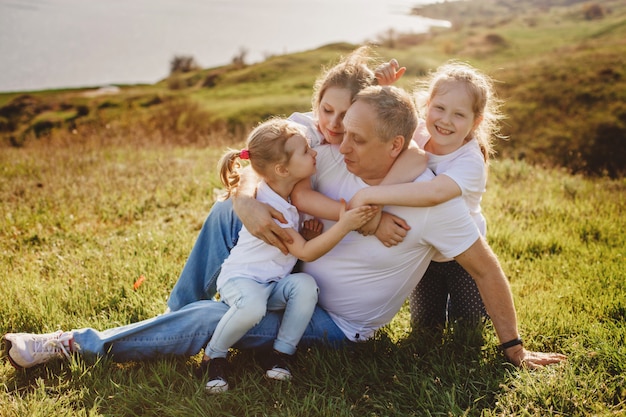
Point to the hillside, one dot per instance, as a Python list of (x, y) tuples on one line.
[(560, 67)]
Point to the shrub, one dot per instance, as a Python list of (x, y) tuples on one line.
[(43, 127), (606, 144), (239, 60), (593, 11), (495, 39), (183, 63)]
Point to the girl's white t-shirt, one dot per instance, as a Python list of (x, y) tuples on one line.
[(251, 257), (465, 166)]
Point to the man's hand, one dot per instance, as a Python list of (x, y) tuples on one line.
[(523, 358), (259, 220), (391, 230)]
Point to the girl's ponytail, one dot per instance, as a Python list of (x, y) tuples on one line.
[(267, 143), (228, 168)]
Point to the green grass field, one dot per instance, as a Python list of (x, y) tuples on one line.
[(96, 192), (81, 223)]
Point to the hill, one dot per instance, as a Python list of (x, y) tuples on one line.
[(105, 190), (560, 67)]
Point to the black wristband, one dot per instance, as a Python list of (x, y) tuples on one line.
[(511, 343)]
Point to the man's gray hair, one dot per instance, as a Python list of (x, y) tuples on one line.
[(396, 111)]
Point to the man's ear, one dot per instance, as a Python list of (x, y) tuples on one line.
[(397, 145)]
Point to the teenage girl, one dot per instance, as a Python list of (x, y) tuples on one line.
[(333, 93), (462, 115)]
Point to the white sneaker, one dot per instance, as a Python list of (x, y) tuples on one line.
[(25, 350), (278, 373), (216, 386), (279, 364), (218, 372)]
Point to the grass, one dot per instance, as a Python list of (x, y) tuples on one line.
[(84, 218), (121, 192)]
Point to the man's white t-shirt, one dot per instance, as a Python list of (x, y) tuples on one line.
[(363, 284), (251, 257)]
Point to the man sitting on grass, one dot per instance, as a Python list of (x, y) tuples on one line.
[(362, 283)]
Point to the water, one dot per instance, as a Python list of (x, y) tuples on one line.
[(76, 43)]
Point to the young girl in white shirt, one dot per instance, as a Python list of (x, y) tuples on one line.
[(257, 277), (461, 119)]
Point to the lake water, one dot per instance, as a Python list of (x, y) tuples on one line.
[(77, 43)]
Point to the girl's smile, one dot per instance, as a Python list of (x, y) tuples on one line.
[(332, 109)]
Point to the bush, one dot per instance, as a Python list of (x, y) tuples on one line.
[(43, 127), (183, 63), (495, 39), (604, 151), (593, 11)]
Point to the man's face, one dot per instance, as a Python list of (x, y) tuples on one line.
[(365, 154)]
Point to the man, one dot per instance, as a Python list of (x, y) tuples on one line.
[(362, 283)]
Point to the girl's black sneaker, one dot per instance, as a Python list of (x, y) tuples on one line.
[(218, 372)]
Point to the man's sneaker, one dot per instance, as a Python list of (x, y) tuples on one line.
[(218, 372), (26, 350), (278, 366)]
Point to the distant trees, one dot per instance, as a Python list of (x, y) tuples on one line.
[(183, 63), (239, 59), (593, 11)]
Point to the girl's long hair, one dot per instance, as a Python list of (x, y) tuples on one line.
[(481, 90)]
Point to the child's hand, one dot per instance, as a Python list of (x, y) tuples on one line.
[(391, 230), (371, 226), (311, 229), (389, 72), (360, 199), (356, 217)]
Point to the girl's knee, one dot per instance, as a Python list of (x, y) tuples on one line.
[(252, 305), (304, 285)]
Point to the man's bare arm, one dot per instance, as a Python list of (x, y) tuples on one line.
[(259, 217)]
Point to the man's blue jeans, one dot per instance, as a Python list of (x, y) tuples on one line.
[(218, 236), (186, 331), (194, 316)]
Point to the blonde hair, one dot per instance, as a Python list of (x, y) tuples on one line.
[(352, 73), (395, 110), (265, 148), (479, 86)]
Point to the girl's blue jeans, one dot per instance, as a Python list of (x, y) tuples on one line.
[(194, 316), (249, 300)]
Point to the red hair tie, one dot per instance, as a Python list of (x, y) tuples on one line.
[(244, 154)]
